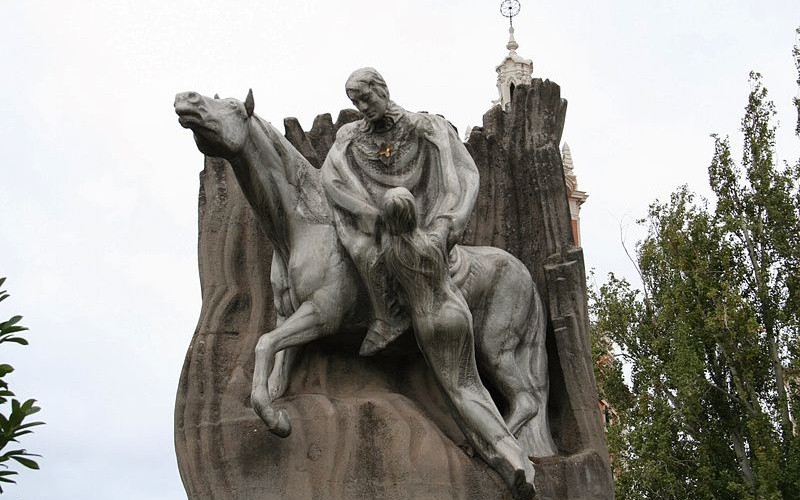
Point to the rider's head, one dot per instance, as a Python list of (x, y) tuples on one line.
[(367, 89)]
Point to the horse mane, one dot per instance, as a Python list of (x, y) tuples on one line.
[(310, 202)]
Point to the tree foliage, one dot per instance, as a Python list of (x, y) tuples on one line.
[(13, 413), (712, 340)]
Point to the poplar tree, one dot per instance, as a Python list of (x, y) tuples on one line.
[(711, 340)]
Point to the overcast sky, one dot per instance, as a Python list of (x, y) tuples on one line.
[(98, 182)]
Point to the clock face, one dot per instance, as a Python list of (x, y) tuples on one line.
[(509, 8)]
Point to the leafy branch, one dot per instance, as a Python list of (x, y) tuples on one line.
[(15, 424)]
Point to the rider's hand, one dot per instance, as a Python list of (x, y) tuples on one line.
[(439, 241), (438, 233)]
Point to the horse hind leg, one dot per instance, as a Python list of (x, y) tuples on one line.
[(303, 326), (503, 332), (523, 407), (521, 404)]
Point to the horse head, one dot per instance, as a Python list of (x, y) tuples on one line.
[(220, 126)]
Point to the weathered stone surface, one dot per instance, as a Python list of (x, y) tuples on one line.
[(301, 142), (345, 116), (523, 209), (322, 134), (378, 427)]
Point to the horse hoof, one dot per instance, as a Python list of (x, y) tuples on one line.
[(379, 335), (368, 348), (283, 426), (523, 488)]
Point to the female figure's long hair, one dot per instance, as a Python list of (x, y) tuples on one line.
[(414, 261)]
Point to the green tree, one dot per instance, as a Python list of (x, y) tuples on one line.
[(13, 413), (712, 339)]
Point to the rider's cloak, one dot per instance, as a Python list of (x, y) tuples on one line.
[(420, 152)]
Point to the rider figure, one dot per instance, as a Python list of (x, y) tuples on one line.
[(391, 148)]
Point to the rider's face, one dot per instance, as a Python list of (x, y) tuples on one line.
[(368, 102)]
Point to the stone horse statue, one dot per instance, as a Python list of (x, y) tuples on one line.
[(317, 291)]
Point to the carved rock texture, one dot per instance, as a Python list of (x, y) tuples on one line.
[(523, 208), (378, 428)]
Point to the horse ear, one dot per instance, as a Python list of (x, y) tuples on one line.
[(249, 103), (216, 96)]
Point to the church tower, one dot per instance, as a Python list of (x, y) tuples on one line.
[(512, 71), (574, 195)]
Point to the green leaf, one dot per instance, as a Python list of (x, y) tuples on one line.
[(8, 454), (12, 329), (5, 369), (26, 462), (30, 424), (18, 340), (13, 321)]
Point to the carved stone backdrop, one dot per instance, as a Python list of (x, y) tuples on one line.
[(378, 428)]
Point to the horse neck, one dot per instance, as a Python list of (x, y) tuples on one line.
[(271, 173)]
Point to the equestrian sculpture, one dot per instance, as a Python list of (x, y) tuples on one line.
[(369, 244)]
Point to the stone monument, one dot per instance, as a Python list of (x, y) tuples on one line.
[(354, 342)]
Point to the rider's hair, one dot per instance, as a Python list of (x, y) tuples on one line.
[(370, 78)]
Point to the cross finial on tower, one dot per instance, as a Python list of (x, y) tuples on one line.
[(509, 9), (514, 70)]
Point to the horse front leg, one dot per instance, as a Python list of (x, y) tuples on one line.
[(305, 325), (284, 308), (282, 368)]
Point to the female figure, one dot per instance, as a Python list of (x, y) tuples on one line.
[(442, 323)]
